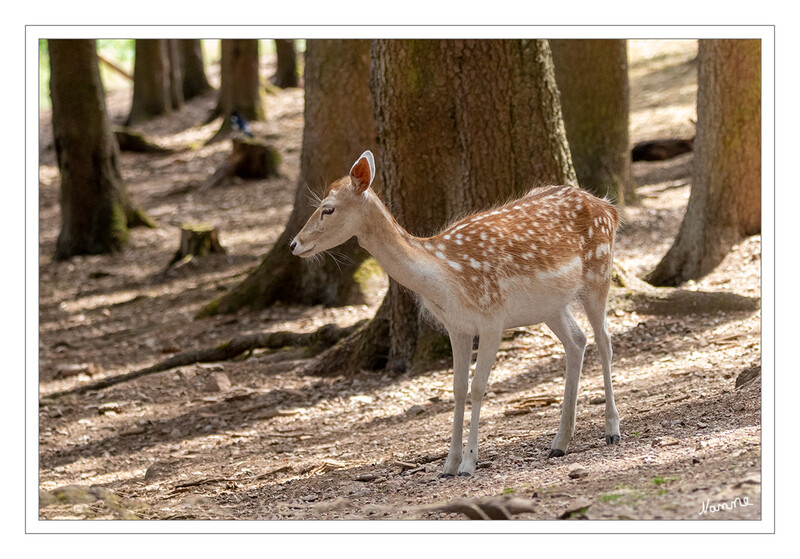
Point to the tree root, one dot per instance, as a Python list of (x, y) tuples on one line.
[(315, 342), (630, 294), (365, 348)]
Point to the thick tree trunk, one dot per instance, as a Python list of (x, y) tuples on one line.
[(592, 77), (725, 202), (462, 125), (339, 126), (154, 91), (286, 74), (195, 81), (95, 211), (239, 88)]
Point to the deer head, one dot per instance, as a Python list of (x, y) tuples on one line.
[(340, 214)]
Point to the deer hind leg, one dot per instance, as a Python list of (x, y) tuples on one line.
[(487, 351), (462, 355), (594, 302), (572, 337)]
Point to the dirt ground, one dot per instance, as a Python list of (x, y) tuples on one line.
[(279, 445)]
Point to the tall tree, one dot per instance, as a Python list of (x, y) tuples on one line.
[(592, 76), (95, 209), (725, 201), (157, 86), (338, 127), (195, 81), (286, 73), (462, 124), (239, 88)]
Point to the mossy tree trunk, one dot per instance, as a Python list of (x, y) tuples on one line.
[(339, 126), (239, 88), (592, 77), (462, 124), (95, 209), (725, 201), (195, 81), (157, 87)]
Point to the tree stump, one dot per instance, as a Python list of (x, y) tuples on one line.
[(197, 239), (250, 159)]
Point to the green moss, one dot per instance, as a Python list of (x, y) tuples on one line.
[(369, 269), (611, 497), (119, 226), (211, 309)]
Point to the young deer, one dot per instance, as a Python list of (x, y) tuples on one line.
[(514, 265)]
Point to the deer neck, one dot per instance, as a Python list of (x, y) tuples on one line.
[(400, 254)]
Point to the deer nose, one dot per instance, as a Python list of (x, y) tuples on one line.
[(292, 245)]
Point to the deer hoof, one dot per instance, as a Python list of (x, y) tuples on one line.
[(466, 474), (612, 439), (444, 475), (556, 453)]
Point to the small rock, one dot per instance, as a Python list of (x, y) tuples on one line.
[(218, 382), (577, 471), (597, 401), (701, 425), (416, 409), (365, 477), (576, 510), (484, 464), (748, 375), (309, 497)]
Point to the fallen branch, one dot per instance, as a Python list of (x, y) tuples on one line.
[(488, 508), (316, 341)]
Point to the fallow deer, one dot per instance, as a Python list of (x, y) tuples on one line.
[(518, 264)]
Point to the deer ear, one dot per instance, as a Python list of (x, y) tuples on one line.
[(363, 171)]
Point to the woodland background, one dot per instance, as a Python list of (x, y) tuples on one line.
[(275, 400)]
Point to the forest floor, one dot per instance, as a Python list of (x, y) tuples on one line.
[(275, 444)]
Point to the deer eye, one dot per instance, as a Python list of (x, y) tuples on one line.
[(327, 211)]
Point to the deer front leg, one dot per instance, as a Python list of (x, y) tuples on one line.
[(462, 355), (487, 351)]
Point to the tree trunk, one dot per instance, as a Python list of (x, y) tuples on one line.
[(725, 202), (286, 74), (239, 88), (339, 126), (154, 92), (462, 125), (95, 211), (195, 81), (592, 77)]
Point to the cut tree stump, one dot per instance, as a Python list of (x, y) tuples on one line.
[(250, 159), (199, 239)]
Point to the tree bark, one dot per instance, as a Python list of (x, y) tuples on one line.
[(339, 126), (95, 210), (462, 125), (154, 90), (195, 81), (725, 201), (286, 74), (239, 88), (592, 77)]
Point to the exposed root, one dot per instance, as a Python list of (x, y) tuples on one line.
[(315, 342)]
